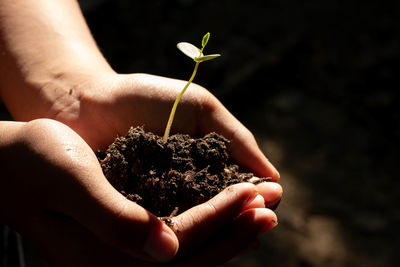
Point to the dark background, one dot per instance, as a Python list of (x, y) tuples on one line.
[(317, 82)]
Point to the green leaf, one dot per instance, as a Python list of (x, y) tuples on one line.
[(206, 57), (205, 39), (189, 50)]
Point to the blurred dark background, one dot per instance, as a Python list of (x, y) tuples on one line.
[(317, 82)]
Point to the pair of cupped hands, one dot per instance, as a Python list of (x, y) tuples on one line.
[(59, 199)]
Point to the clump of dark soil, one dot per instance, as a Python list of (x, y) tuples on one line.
[(169, 178)]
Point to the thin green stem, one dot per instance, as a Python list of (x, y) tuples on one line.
[(173, 110), (201, 51)]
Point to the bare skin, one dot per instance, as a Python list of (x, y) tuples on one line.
[(60, 200)]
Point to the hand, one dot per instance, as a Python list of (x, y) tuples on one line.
[(106, 105), (54, 193), (111, 104), (212, 233), (76, 218)]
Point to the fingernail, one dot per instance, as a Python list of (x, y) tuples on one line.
[(276, 173), (266, 219), (161, 245)]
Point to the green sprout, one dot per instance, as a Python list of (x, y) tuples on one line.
[(197, 55)]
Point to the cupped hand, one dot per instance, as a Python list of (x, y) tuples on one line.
[(54, 193), (76, 218), (102, 107), (111, 103)]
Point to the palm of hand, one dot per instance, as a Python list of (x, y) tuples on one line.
[(112, 104)]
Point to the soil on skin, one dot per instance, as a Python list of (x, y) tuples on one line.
[(169, 178)]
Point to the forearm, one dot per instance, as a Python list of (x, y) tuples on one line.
[(46, 49)]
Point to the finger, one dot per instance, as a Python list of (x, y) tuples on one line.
[(111, 217), (271, 192), (78, 188), (243, 146), (198, 223), (127, 226), (243, 234), (258, 202), (244, 149)]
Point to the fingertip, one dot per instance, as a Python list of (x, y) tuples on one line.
[(274, 172), (267, 169), (162, 244), (144, 235), (257, 202), (271, 192), (267, 218), (259, 220)]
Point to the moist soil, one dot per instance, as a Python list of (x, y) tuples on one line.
[(169, 178)]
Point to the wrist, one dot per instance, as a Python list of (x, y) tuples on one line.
[(46, 46), (51, 89)]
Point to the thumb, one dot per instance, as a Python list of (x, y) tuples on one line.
[(116, 220), (243, 146)]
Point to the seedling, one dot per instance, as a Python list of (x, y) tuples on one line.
[(197, 55)]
